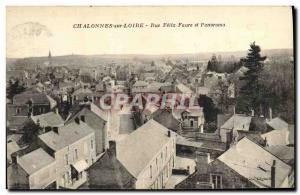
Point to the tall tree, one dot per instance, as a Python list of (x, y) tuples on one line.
[(250, 94)]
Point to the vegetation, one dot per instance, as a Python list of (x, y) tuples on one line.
[(210, 112), (267, 85), (31, 131), (219, 66), (250, 96), (14, 88)]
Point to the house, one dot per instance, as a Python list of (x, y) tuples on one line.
[(277, 123), (237, 122), (139, 87), (181, 88), (109, 173), (136, 161), (82, 95), (166, 118), (97, 123), (277, 137), (193, 119), (149, 112), (35, 170), (73, 148), (48, 120), (30, 102), (245, 165), (17, 123), (255, 164)]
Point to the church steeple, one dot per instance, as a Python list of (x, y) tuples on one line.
[(50, 58)]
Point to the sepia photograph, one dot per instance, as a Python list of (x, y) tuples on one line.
[(152, 98)]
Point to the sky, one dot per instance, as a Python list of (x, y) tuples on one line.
[(33, 31)]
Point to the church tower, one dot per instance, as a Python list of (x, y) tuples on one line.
[(50, 58)]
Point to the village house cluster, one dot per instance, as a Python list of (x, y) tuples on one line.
[(59, 136)]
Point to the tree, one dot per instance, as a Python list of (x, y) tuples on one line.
[(212, 63), (250, 94), (209, 109), (222, 98), (14, 88), (31, 131)]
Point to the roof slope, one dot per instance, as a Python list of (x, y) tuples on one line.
[(109, 173), (35, 160), (278, 123), (67, 135), (237, 122), (32, 95), (48, 119), (254, 163), (285, 153), (92, 119), (137, 149), (167, 119)]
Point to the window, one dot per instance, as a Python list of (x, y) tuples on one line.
[(192, 123), (150, 171), (92, 144), (66, 158), (156, 164), (76, 154), (216, 180), (18, 111)]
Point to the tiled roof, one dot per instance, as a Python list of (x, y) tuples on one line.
[(67, 135), (92, 119), (254, 163), (167, 119), (137, 149), (237, 122), (284, 153), (50, 119), (35, 161), (31, 95), (276, 137), (278, 123), (109, 173)]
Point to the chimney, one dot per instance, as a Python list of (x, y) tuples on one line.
[(14, 157), (55, 130), (252, 112), (112, 148), (273, 174), (169, 133), (56, 111), (202, 159), (77, 120), (265, 142), (270, 113), (82, 118)]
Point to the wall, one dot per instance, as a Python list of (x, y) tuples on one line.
[(84, 151), (43, 177), (230, 178), (161, 171)]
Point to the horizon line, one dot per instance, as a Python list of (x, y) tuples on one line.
[(132, 54)]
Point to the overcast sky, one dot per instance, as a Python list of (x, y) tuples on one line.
[(32, 31)]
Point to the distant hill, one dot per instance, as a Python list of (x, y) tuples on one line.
[(98, 60)]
